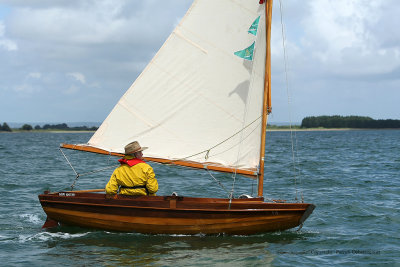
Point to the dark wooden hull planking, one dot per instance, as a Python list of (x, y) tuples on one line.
[(172, 214)]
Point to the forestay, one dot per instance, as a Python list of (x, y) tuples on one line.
[(197, 100)]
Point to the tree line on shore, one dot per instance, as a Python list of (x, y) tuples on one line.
[(5, 127), (348, 122), (60, 127), (307, 122)]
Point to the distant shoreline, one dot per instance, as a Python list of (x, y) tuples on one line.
[(280, 129), (325, 129), (48, 131)]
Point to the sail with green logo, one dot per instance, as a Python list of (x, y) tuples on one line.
[(246, 53), (253, 28)]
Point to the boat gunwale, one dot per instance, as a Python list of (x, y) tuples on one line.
[(155, 198), (306, 205)]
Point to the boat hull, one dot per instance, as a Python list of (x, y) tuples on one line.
[(172, 214)]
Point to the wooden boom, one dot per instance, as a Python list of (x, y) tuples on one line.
[(191, 164)]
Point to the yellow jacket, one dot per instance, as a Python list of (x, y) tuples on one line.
[(141, 174)]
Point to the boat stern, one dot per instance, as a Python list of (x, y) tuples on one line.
[(49, 223), (307, 213)]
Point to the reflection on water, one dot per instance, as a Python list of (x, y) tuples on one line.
[(158, 250)]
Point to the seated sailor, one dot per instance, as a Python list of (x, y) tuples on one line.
[(134, 176)]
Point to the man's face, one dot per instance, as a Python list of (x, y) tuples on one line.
[(139, 155)]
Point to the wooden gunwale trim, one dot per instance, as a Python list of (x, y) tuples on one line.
[(158, 198), (190, 164), (175, 209), (84, 191), (183, 199), (151, 201)]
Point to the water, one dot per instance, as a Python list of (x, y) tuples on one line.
[(351, 176)]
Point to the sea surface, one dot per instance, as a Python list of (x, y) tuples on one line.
[(353, 178)]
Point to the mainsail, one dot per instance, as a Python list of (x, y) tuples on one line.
[(196, 102)]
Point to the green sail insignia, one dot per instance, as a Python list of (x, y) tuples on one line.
[(253, 28), (246, 53)]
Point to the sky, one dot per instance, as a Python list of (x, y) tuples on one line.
[(71, 61)]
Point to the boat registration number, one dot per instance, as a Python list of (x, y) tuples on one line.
[(66, 194)]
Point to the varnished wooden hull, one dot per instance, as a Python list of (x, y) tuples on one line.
[(171, 214)]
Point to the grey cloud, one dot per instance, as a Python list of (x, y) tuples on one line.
[(332, 61)]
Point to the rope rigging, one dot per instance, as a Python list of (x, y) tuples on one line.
[(86, 173), (207, 152), (77, 175), (293, 144)]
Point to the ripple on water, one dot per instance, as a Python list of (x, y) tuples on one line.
[(352, 177), (31, 218), (49, 236)]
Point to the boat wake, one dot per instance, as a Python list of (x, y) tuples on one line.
[(31, 218), (48, 236)]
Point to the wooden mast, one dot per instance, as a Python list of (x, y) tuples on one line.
[(267, 93)]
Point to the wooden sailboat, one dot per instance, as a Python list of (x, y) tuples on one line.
[(202, 102)]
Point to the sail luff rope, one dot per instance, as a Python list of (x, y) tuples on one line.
[(293, 146)]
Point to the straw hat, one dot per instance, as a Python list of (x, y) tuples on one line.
[(133, 147)]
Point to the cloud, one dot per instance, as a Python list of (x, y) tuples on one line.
[(36, 75), (337, 50), (5, 43), (340, 54), (24, 89), (30, 84), (71, 90), (340, 35), (77, 76), (92, 22)]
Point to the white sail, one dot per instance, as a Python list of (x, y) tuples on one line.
[(196, 100)]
